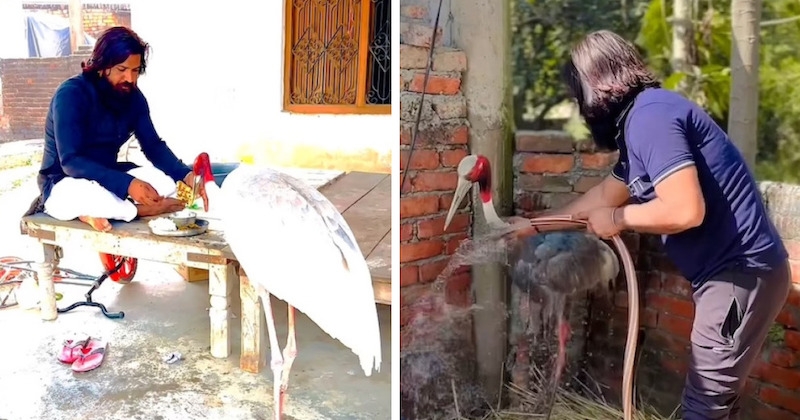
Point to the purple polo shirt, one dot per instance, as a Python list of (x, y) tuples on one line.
[(665, 132)]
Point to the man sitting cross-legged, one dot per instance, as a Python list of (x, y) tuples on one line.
[(91, 116)]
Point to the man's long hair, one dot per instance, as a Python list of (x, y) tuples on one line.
[(604, 73), (113, 47)]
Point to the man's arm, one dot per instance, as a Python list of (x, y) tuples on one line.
[(662, 145), (69, 110), (679, 206), (154, 148), (610, 192)]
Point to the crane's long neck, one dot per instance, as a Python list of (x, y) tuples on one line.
[(202, 168), (485, 189), (214, 195)]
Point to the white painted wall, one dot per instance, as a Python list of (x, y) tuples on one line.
[(214, 83), (12, 30)]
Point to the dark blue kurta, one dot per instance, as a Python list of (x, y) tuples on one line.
[(85, 130)]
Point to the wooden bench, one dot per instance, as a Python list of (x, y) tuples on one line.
[(364, 199)]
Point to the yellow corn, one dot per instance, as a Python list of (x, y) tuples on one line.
[(184, 192)]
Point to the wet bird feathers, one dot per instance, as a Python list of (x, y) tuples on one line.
[(564, 262)]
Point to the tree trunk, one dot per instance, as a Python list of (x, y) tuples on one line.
[(745, 44), (682, 36)]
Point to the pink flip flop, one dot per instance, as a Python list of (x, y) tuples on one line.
[(91, 357), (71, 349)]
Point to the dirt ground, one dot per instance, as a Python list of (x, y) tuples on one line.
[(163, 314)]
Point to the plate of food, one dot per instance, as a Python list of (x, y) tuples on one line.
[(182, 223)]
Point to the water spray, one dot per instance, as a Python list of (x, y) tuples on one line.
[(475, 169), (560, 222), (567, 222)]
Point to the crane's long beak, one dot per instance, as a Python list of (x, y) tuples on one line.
[(461, 190), (195, 187), (202, 174)]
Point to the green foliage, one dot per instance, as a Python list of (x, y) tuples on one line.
[(542, 33), (709, 82), (543, 30), (779, 109), (779, 122)]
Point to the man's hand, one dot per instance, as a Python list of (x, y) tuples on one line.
[(522, 232), (143, 193), (166, 205), (601, 221), (169, 205)]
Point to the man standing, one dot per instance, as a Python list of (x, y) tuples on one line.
[(691, 185), (91, 116)]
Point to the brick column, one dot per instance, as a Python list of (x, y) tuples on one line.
[(436, 332)]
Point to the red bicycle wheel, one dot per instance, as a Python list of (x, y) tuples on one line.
[(125, 273), (7, 273)]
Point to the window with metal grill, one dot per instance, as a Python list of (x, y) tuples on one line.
[(338, 57)]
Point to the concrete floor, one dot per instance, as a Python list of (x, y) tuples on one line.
[(163, 314)]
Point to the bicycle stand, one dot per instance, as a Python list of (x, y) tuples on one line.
[(90, 302)]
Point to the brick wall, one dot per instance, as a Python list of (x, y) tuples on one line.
[(28, 85), (96, 16), (436, 332), (550, 170), (416, 21)]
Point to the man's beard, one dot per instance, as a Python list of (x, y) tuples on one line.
[(115, 97), (604, 133), (124, 89), (121, 91), (607, 126)]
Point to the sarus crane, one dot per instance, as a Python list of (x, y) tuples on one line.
[(294, 244), (560, 262)]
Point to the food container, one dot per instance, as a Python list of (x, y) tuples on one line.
[(183, 218)]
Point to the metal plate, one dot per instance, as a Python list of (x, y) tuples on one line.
[(202, 227)]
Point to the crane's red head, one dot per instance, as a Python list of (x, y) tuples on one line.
[(471, 169), (202, 167)]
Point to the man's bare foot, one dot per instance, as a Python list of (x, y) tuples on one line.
[(98, 223), (167, 205)]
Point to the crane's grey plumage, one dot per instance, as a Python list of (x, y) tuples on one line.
[(564, 262), (561, 262)]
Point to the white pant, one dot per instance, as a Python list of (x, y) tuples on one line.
[(71, 198)]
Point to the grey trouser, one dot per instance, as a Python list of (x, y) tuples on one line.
[(733, 314)]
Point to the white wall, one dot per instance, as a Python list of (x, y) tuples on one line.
[(214, 83), (12, 30)]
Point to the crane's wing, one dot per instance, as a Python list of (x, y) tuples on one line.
[(292, 241)]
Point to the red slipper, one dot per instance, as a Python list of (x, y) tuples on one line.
[(90, 357), (71, 349)]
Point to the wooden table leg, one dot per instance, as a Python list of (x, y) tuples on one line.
[(251, 359), (44, 276), (220, 282)]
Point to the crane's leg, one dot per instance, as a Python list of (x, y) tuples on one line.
[(289, 353), (276, 361), (561, 357), (560, 307), (563, 336)]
